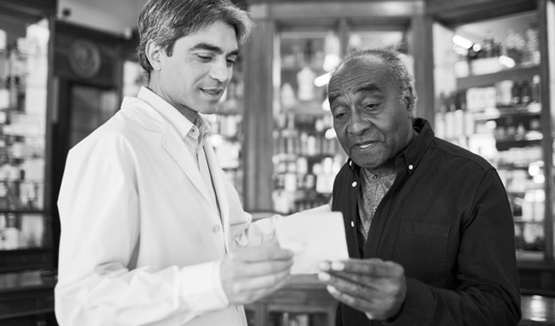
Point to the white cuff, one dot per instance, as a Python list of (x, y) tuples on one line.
[(201, 287)]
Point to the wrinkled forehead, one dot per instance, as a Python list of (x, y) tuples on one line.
[(361, 71)]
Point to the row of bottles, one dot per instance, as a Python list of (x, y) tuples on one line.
[(13, 68), (23, 65), (517, 92), (507, 109), (513, 92), (296, 319), (306, 161), (304, 183), (523, 49), (228, 125), (305, 135), (288, 319), (20, 231)]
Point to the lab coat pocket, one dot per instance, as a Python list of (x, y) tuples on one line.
[(421, 248)]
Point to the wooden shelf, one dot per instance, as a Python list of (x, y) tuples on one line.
[(491, 79), (25, 259)]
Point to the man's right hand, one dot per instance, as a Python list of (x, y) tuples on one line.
[(250, 273)]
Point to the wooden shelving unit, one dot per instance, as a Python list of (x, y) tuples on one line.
[(304, 301)]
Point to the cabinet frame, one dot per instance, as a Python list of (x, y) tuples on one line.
[(272, 17), (453, 13)]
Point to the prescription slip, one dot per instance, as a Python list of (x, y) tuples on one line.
[(313, 237)]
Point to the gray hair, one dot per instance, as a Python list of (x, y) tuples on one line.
[(166, 21), (401, 76)]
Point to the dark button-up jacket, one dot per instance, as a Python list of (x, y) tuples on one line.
[(448, 222)]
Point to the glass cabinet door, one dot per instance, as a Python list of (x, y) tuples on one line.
[(306, 151), (23, 105), (307, 154), (25, 225), (488, 100)]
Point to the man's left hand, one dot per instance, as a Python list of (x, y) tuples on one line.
[(372, 286)]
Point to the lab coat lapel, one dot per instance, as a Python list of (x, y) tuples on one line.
[(219, 188), (175, 147), (171, 141)]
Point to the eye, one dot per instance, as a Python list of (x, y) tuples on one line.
[(371, 106), (338, 114), (230, 62), (204, 57)]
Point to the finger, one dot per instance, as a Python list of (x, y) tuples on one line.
[(364, 290), (332, 277), (357, 303), (371, 267), (261, 253), (324, 266)]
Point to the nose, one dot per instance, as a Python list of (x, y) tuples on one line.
[(220, 71), (357, 123)]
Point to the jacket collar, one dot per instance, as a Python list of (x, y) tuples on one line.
[(409, 159)]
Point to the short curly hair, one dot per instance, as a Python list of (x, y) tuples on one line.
[(166, 21), (401, 76)]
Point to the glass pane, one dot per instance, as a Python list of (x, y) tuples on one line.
[(307, 155), (90, 107), (227, 132), (488, 101), (23, 89)]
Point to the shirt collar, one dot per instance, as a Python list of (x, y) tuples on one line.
[(198, 129), (411, 156)]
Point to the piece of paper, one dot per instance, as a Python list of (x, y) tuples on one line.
[(313, 237)]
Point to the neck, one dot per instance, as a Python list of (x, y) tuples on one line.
[(385, 169), (187, 112)]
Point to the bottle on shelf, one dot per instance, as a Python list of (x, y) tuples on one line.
[(514, 46), (11, 233), (516, 90), (535, 89), (525, 92), (532, 45)]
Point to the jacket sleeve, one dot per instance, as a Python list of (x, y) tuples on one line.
[(488, 290), (97, 283)]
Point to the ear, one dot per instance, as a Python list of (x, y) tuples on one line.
[(409, 103), (153, 53)]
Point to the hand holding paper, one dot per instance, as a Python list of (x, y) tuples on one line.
[(313, 237)]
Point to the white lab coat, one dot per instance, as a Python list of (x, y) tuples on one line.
[(141, 244)]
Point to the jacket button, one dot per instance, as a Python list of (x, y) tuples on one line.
[(350, 163), (411, 167), (354, 184), (216, 228)]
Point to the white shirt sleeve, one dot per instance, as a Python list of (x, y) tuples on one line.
[(140, 297)]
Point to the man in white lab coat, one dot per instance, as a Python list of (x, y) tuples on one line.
[(149, 224)]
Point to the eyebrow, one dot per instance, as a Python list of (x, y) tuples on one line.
[(333, 96), (212, 48), (362, 88)]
